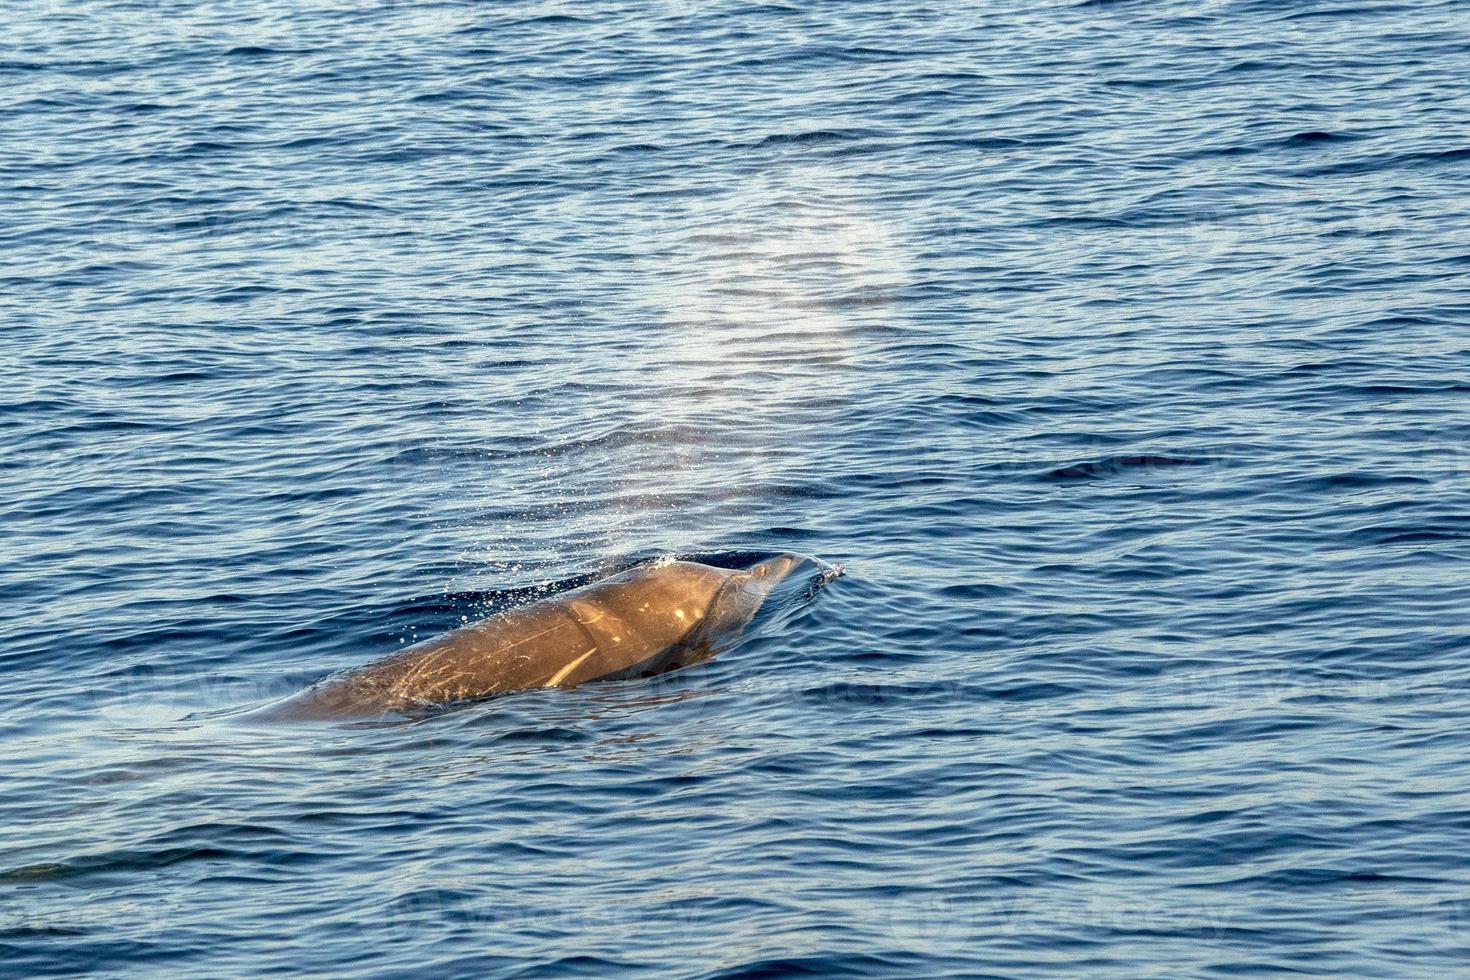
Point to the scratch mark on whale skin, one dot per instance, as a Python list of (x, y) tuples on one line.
[(561, 675)]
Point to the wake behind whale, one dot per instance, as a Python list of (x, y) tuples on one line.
[(647, 620)]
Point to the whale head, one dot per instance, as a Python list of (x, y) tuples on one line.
[(773, 570), (791, 568), (785, 580)]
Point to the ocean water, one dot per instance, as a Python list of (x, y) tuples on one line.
[(1119, 351)]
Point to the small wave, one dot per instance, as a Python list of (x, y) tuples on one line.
[(1119, 465), (1379, 163), (826, 965), (810, 138), (1391, 534), (114, 861), (1317, 137)]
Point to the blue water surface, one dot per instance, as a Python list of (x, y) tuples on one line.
[(1118, 349)]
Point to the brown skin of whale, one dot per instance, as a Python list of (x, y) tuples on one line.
[(644, 621)]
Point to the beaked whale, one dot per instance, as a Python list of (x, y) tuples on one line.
[(649, 619)]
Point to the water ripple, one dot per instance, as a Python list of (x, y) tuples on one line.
[(1117, 349)]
